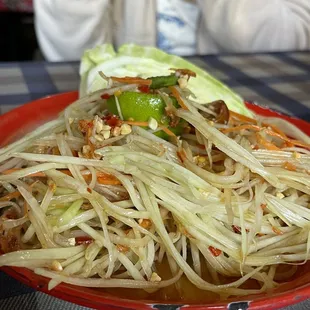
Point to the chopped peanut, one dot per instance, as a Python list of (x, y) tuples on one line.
[(106, 134), (280, 195), (155, 277), (86, 149), (152, 122), (125, 129), (116, 131), (71, 241), (56, 266), (98, 138), (106, 127), (85, 125), (182, 82), (98, 123)]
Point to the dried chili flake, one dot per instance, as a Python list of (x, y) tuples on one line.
[(105, 96), (83, 240), (237, 229), (144, 89), (112, 120), (215, 252)]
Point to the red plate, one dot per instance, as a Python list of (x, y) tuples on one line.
[(19, 121)]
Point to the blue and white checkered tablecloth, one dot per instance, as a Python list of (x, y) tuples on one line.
[(280, 81)]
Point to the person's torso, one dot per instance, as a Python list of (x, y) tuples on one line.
[(176, 26), (172, 25)]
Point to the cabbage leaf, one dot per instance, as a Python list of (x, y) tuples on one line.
[(134, 60)]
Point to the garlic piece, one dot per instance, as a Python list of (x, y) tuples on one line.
[(125, 129), (155, 277), (98, 138), (106, 134), (56, 266), (152, 123)]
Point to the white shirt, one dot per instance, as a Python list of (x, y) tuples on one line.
[(66, 28), (177, 27)]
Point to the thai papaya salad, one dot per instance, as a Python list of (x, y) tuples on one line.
[(138, 174)]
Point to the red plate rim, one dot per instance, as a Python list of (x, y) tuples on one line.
[(26, 117)]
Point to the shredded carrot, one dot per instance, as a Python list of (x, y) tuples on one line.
[(66, 171), (134, 123), (255, 147), (277, 231), (178, 97), (275, 129), (122, 248), (102, 178), (26, 207), (10, 196), (271, 130), (107, 179), (289, 166), (260, 234), (9, 171), (241, 127), (215, 252), (267, 144), (242, 118), (234, 115), (132, 80), (286, 144), (262, 180), (182, 155), (186, 233), (36, 174), (201, 146), (286, 139), (168, 131)]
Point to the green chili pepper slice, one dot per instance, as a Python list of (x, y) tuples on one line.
[(164, 81)]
